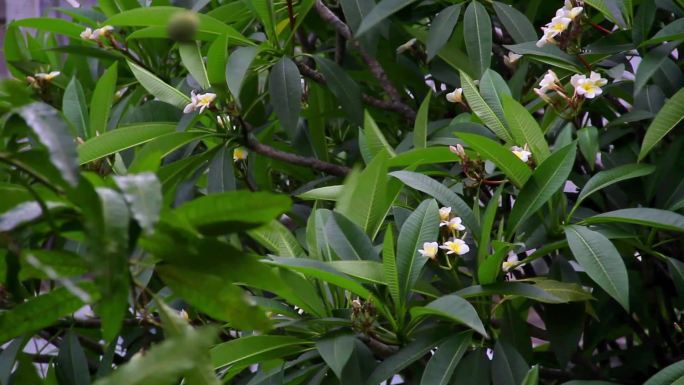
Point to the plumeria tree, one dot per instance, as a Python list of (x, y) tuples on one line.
[(343, 192)]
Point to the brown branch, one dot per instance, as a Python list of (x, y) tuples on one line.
[(378, 348), (373, 65)]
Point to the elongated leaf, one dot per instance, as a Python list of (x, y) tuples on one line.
[(42, 311), (171, 358), (477, 29), (510, 288), (421, 156), (75, 108), (515, 22), (158, 88), (8, 358), (671, 375), (525, 129), (389, 263), (482, 110), (234, 210), (347, 240), (612, 10), (71, 366), (191, 56), (454, 308), (600, 260), (236, 68), (381, 11), (442, 194), (443, 363), (344, 88), (656, 218), (336, 351), (549, 54), (671, 32), (606, 178), (650, 64), (327, 193), (221, 175), (51, 24), (252, 349), (421, 125), (375, 140), (369, 271), (508, 366), (667, 118), (441, 29), (217, 56), (492, 87), (101, 102), (285, 88), (143, 194), (405, 357), (278, 239), (54, 134), (548, 178), (420, 227), (120, 139), (517, 171)]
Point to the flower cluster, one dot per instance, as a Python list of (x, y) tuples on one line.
[(585, 87), (199, 101), (453, 244), (89, 34), (559, 24)]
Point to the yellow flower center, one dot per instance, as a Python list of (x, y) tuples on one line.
[(587, 86), (204, 100), (560, 27), (455, 247), (430, 250)]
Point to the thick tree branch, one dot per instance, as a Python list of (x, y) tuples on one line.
[(373, 65)]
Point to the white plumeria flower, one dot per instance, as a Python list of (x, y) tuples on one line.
[(454, 224), (103, 31), (588, 87), (200, 101), (429, 249), (569, 11), (406, 46), (47, 77), (456, 96), (511, 58), (444, 213), (87, 34), (548, 81), (457, 246), (239, 154), (522, 153), (510, 262)]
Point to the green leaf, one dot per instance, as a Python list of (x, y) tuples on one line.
[(601, 261), (221, 175), (191, 56), (217, 57), (230, 211), (420, 127), (650, 64), (525, 129), (518, 289), (278, 239), (75, 108), (404, 357), (671, 375), (566, 291), (442, 194), (375, 140), (603, 179), (508, 366), (369, 271), (420, 227), (454, 308), (24, 213), (613, 10), (143, 194), (42, 311), (389, 264), (285, 88), (327, 193), (348, 240), (442, 365), (441, 29), (264, 11), (477, 30), (655, 218), (422, 156), (492, 88), (51, 24), (54, 134), (71, 365), (368, 202), (102, 101), (548, 178), (381, 11), (336, 351), (482, 109), (588, 139), (159, 16), (236, 69), (549, 54), (249, 350), (168, 359), (516, 23), (344, 88), (158, 88), (517, 171), (120, 139), (8, 358), (671, 32), (667, 118)]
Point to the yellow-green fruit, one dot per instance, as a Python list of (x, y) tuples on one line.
[(183, 26)]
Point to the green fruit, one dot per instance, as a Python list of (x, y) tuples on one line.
[(183, 26)]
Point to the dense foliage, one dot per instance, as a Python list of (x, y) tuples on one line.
[(317, 192)]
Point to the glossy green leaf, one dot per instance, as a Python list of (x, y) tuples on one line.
[(508, 366), (549, 177), (101, 102), (603, 179), (327, 193), (237, 66), (336, 351), (143, 194), (477, 29), (517, 171), (278, 239), (654, 218), (74, 107), (369, 271), (515, 22), (285, 88), (518, 289), (50, 24), (120, 139), (650, 64), (549, 54), (347, 240), (420, 126), (442, 365), (671, 32), (454, 308), (217, 57), (381, 11), (482, 109), (158, 88), (344, 88), (221, 175), (601, 261), (71, 364), (389, 264), (191, 56), (375, 140), (670, 375), (525, 129), (667, 118), (441, 29), (252, 349)]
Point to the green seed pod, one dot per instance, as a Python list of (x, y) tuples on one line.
[(183, 26)]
